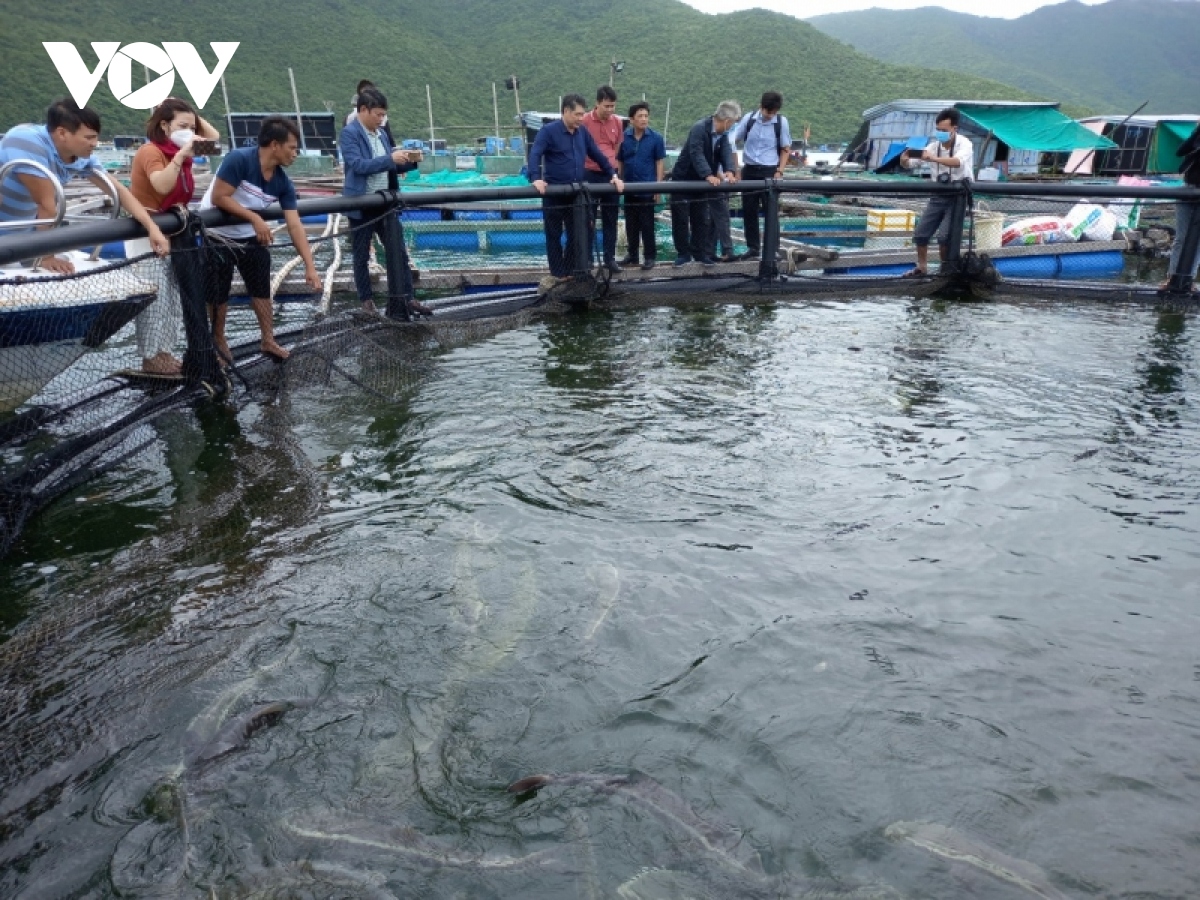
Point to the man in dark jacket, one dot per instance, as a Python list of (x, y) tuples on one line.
[(1181, 277), (699, 160), (557, 157)]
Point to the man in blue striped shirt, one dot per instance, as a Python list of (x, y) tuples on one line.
[(557, 157), (64, 146)]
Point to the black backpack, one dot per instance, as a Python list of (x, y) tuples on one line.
[(753, 121), (1190, 151)]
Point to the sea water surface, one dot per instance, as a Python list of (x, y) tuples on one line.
[(800, 572)]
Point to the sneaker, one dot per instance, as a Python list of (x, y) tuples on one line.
[(749, 255), (727, 258), (613, 266), (648, 264), (682, 260), (629, 261), (708, 261)]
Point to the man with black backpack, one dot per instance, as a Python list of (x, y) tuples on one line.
[(767, 147)]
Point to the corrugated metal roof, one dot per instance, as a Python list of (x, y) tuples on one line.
[(1142, 120), (936, 106)]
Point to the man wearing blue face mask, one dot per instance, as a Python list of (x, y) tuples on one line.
[(950, 157)]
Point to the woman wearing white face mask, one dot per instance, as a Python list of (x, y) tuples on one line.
[(161, 178)]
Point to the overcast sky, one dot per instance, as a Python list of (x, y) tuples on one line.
[(1007, 9)]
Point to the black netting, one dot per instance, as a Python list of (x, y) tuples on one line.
[(80, 387)]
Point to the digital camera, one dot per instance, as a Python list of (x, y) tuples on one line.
[(943, 178)]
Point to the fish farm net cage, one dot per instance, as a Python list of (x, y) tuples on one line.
[(82, 423), (450, 267)]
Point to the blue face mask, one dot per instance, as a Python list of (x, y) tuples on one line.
[(943, 136)]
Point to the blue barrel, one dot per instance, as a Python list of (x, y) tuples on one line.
[(872, 270), (518, 240), (467, 241), (1106, 264), (421, 215), (1028, 266), (314, 220), (525, 215), (468, 215)]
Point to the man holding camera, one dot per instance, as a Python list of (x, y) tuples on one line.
[(372, 164), (950, 157)]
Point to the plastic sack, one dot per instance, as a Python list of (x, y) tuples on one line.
[(1128, 212), (1037, 230), (1089, 222)]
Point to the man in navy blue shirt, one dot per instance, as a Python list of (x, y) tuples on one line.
[(557, 157), (641, 162)]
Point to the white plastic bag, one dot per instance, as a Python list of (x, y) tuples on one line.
[(1089, 222), (1036, 230)]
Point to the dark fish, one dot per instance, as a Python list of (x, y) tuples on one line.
[(235, 733), (718, 839)]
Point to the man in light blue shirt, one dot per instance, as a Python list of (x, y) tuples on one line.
[(64, 146), (767, 147)]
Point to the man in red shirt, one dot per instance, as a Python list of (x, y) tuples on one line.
[(608, 131)]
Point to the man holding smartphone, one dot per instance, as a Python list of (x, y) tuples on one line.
[(373, 164), (951, 158)]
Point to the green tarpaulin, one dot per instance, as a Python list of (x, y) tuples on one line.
[(1034, 128), (1168, 137)]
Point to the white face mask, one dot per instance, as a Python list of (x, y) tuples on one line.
[(384, 122), (182, 136)]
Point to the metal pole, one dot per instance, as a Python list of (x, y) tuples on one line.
[(958, 218), (296, 100), (429, 103), (1181, 282), (517, 95), (580, 249), (228, 117), (496, 109), (612, 71), (399, 275), (667, 120), (768, 266)]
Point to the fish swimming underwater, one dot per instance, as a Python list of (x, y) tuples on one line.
[(235, 733), (950, 844), (408, 844), (718, 839)]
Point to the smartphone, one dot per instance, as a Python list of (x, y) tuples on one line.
[(202, 147)]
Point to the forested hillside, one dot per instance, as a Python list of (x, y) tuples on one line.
[(459, 47), (1110, 57)]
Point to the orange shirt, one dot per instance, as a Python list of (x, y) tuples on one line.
[(148, 160), (608, 136)]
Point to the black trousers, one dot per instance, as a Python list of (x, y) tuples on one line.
[(752, 205), (689, 224), (639, 225), (360, 242), (557, 216), (610, 211)]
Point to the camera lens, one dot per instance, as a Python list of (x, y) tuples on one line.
[(944, 177)]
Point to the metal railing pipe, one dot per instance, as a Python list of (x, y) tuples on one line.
[(43, 243)]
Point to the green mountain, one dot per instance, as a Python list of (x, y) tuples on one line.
[(1108, 58), (460, 47)]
